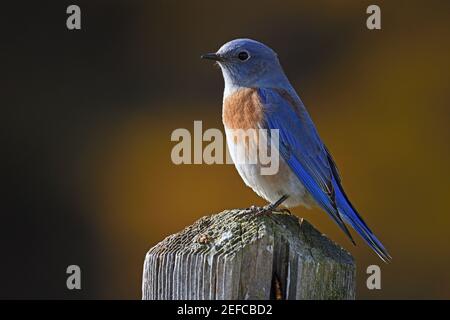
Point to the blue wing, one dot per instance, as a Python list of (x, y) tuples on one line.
[(307, 156)]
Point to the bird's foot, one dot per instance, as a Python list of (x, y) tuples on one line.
[(253, 211), (256, 211), (266, 210)]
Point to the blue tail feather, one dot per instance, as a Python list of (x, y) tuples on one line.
[(351, 217)]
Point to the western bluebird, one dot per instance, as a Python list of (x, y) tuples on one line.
[(258, 95)]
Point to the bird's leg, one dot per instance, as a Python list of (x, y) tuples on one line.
[(272, 206)]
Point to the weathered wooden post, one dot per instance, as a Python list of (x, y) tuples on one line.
[(233, 256)]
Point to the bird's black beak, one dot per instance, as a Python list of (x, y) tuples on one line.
[(211, 56)]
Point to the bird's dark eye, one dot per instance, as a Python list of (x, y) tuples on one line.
[(243, 55)]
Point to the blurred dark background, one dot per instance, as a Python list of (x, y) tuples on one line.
[(87, 117)]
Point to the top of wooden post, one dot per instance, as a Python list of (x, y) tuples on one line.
[(234, 256)]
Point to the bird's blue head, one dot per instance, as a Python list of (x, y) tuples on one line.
[(250, 64)]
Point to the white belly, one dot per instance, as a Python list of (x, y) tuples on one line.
[(269, 187)]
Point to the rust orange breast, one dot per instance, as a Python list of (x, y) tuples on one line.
[(242, 110)]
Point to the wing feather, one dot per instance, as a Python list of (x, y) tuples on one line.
[(302, 149)]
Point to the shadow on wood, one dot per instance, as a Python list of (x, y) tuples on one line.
[(233, 256)]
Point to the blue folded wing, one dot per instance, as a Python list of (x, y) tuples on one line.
[(307, 156)]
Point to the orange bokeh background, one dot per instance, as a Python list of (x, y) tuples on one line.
[(116, 91)]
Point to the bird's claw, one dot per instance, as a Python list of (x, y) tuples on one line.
[(252, 209)]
